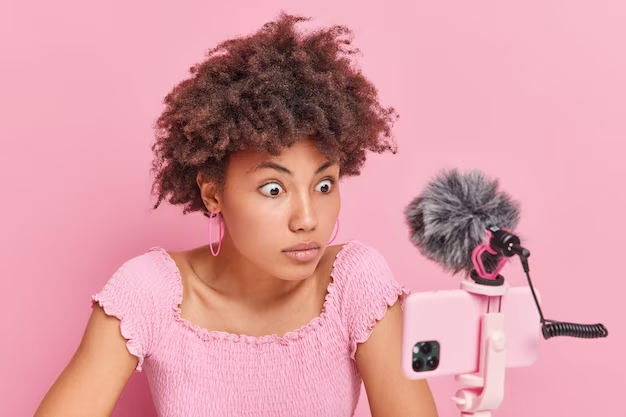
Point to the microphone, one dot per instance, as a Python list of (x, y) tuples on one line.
[(449, 218), (465, 223)]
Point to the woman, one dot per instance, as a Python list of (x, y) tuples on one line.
[(271, 319)]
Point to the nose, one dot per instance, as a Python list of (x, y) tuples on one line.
[(303, 215)]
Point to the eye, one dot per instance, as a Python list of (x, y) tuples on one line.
[(271, 189), (325, 186)]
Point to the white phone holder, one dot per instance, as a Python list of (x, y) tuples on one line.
[(484, 389)]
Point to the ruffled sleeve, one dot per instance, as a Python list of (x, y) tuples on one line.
[(133, 295), (369, 289)]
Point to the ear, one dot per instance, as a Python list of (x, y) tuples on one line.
[(208, 192)]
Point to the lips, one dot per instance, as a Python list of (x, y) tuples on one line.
[(303, 252), (301, 247)]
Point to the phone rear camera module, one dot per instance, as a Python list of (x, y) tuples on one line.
[(426, 356)]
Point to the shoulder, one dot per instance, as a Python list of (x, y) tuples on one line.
[(150, 261), (364, 277), (147, 277), (358, 262)]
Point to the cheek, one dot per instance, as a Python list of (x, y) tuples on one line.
[(328, 208), (332, 204), (252, 221), (254, 224)]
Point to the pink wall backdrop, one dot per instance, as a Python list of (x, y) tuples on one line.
[(533, 92)]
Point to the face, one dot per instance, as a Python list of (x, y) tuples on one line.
[(280, 212)]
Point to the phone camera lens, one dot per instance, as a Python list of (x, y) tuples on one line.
[(432, 362), (418, 365), (426, 348)]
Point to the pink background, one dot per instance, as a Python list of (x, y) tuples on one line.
[(533, 92)]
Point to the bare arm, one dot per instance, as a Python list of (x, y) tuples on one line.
[(389, 392), (93, 381)]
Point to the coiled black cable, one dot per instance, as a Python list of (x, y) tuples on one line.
[(552, 328)]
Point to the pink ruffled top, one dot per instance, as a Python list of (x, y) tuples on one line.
[(310, 371)]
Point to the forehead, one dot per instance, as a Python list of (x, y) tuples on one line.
[(300, 156)]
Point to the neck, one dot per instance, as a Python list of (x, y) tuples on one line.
[(233, 275)]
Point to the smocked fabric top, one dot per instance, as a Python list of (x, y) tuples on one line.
[(193, 372)]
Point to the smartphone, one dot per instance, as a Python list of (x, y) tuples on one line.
[(441, 331)]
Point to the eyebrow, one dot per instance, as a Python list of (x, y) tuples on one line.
[(280, 168)]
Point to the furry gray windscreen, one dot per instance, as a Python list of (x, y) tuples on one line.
[(448, 219)]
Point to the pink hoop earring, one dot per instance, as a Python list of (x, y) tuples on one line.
[(336, 232), (219, 244)]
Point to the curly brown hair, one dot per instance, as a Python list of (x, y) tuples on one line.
[(264, 92)]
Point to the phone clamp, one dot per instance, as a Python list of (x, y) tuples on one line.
[(484, 389)]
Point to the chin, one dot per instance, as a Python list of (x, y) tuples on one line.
[(296, 272)]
